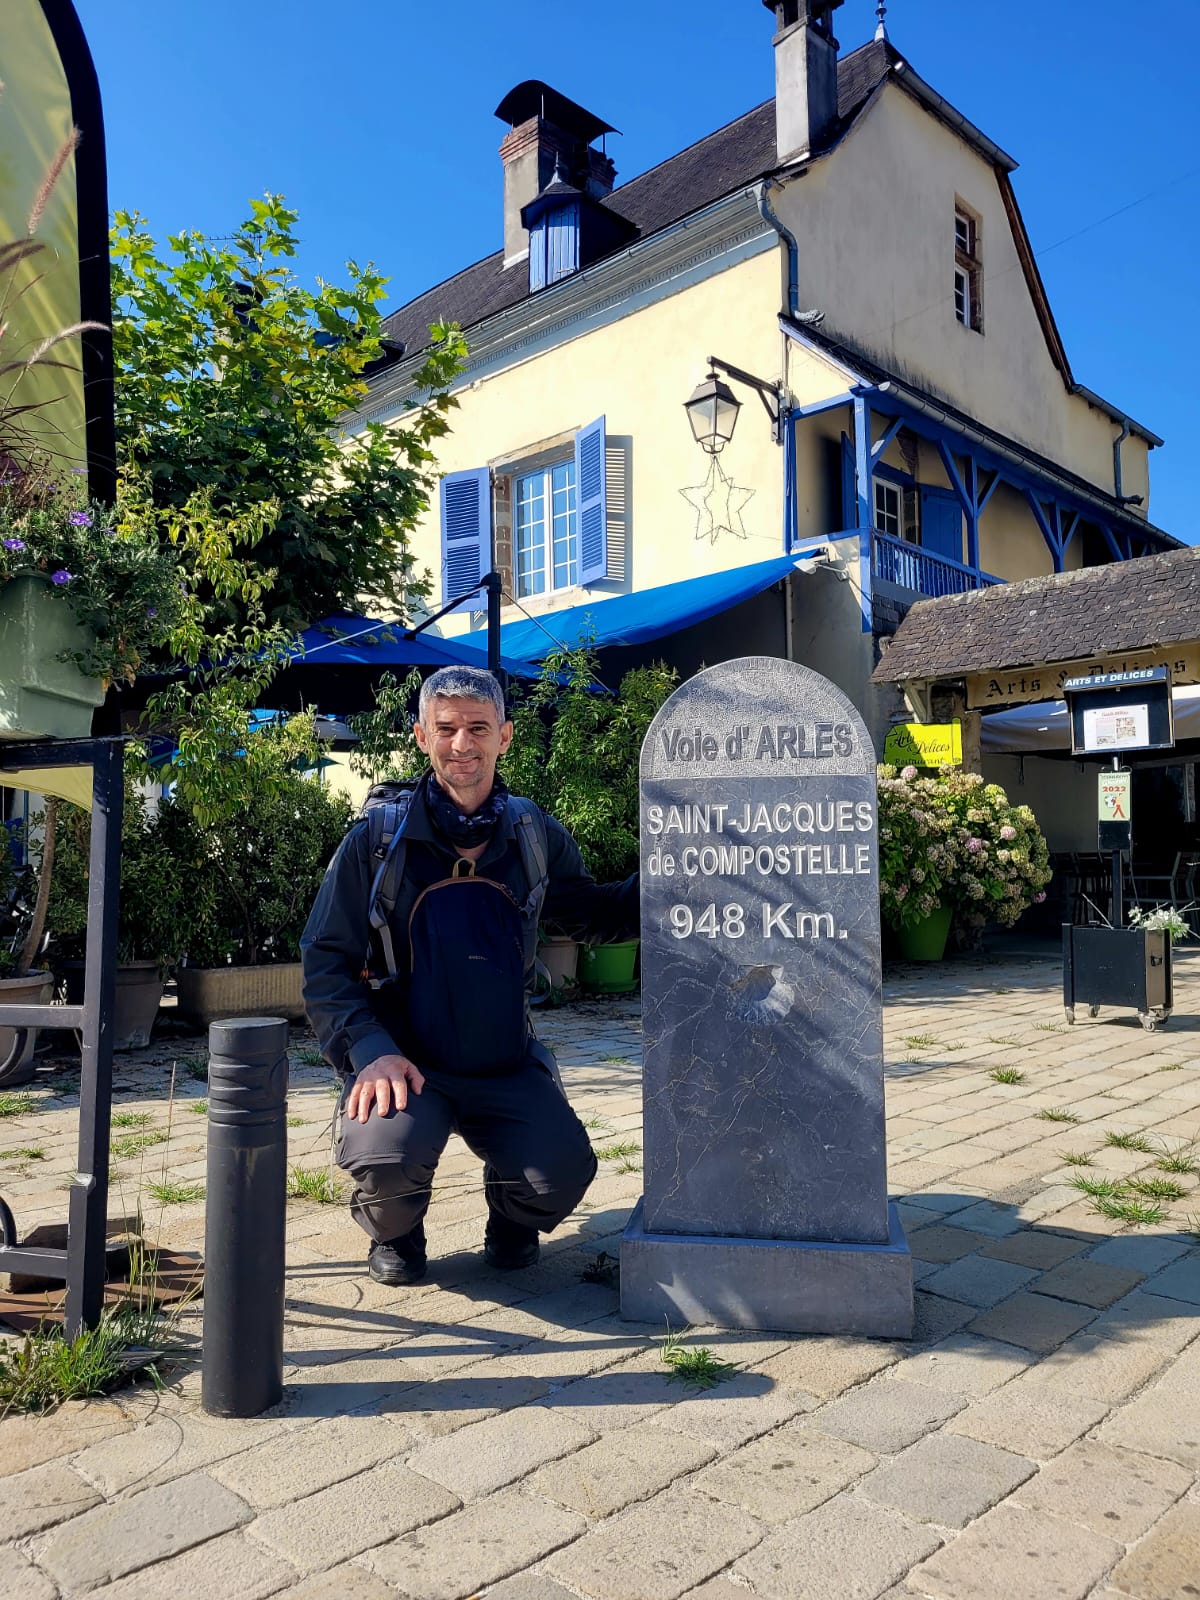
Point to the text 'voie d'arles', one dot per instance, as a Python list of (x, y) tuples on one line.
[(769, 742)]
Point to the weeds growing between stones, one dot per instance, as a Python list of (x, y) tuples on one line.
[(1006, 1075), (695, 1369)]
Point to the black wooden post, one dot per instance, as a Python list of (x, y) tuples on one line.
[(244, 1229), (87, 1204)]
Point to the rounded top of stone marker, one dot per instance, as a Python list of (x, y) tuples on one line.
[(758, 716)]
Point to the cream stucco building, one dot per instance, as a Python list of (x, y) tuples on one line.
[(855, 246)]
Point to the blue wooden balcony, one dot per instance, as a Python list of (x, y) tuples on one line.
[(921, 571)]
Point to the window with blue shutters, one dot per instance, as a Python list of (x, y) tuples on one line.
[(554, 246), (560, 532), (545, 530), (466, 504), (593, 502)]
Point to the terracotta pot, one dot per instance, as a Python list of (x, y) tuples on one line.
[(17, 1044), (208, 994), (560, 957), (139, 991)]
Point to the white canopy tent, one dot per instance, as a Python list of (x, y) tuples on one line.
[(1045, 727)]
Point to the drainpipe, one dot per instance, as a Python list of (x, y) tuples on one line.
[(789, 239), (1118, 486)]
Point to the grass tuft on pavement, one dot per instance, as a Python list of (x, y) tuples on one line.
[(697, 1368), (1128, 1141), (313, 1183), (1006, 1075)]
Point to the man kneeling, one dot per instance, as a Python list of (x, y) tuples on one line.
[(441, 890)]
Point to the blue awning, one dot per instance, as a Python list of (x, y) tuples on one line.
[(626, 619), (345, 641)]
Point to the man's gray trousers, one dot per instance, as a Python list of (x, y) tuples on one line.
[(538, 1160)]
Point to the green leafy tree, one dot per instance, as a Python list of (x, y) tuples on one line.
[(386, 751), (233, 380), (575, 751)]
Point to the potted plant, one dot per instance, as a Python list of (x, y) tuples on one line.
[(952, 847), (576, 753), (148, 928), (249, 879)]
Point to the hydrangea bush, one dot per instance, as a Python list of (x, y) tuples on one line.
[(952, 839)]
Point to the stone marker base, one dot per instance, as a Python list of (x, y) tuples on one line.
[(793, 1285)]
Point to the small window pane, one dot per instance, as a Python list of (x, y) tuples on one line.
[(887, 508), (531, 534), (565, 525), (962, 297)]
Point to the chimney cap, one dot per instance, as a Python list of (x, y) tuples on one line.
[(533, 98), (806, 9)]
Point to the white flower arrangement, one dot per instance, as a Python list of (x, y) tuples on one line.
[(1163, 919)]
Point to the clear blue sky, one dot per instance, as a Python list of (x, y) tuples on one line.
[(374, 118)]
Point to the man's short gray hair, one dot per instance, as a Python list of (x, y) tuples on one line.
[(460, 683)]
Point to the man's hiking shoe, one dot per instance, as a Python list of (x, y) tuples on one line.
[(398, 1261), (507, 1245)]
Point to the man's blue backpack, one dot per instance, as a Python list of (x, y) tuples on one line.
[(386, 811)]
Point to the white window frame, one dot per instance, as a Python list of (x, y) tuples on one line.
[(968, 269), (557, 527), (888, 520), (904, 521)]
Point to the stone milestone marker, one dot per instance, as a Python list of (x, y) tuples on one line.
[(765, 1201)]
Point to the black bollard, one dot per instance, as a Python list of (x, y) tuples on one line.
[(244, 1227)]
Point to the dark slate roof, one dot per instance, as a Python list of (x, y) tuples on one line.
[(1072, 616), (726, 160)]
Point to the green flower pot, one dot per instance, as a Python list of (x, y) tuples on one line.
[(41, 696), (926, 940), (608, 968)]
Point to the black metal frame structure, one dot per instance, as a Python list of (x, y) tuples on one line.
[(82, 1264)]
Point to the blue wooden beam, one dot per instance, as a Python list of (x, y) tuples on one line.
[(889, 433), (862, 460), (1111, 541)]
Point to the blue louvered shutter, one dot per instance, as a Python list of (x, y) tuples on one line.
[(592, 502), (466, 534), (941, 522), (849, 485)]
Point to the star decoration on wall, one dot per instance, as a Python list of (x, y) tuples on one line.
[(718, 503)]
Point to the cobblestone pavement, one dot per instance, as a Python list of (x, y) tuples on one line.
[(1039, 1439)]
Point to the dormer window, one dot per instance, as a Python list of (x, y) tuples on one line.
[(554, 244)]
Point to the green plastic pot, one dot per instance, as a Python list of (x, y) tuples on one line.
[(41, 696), (608, 968), (926, 940)]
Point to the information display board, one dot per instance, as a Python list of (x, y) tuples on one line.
[(1115, 711)]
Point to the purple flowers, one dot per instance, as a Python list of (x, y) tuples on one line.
[(151, 612), (974, 845), (61, 577), (80, 519), (14, 544)]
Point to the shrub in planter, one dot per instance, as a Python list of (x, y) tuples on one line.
[(148, 927), (248, 882), (954, 840), (576, 748)]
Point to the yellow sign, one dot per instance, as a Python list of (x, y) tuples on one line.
[(924, 744), (1045, 682), (1116, 789)]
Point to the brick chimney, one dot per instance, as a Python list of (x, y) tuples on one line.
[(546, 130), (806, 93)]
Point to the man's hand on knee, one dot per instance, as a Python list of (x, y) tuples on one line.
[(381, 1085)]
